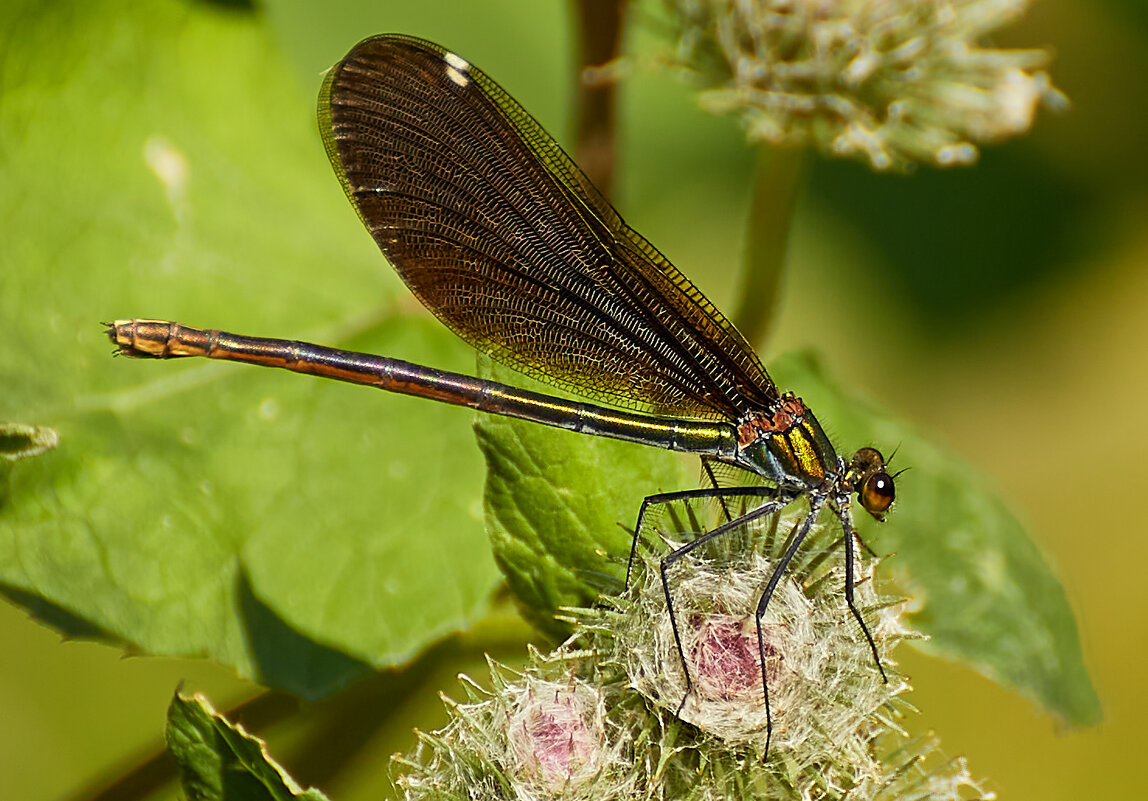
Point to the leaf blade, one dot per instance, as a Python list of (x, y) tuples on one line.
[(220, 760), (183, 496)]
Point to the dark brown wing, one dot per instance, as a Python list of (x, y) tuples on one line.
[(499, 233)]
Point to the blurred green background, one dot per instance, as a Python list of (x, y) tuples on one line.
[(1003, 308)]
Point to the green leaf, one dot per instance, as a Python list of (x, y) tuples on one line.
[(219, 760), (561, 507), (162, 161), (988, 597)]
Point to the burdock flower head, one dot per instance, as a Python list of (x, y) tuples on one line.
[(893, 82), (541, 733), (602, 716), (828, 701)]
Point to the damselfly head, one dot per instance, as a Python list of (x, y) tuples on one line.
[(872, 483)]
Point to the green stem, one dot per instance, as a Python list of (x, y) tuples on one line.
[(775, 188), (601, 24)]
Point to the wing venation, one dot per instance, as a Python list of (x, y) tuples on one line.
[(497, 231)]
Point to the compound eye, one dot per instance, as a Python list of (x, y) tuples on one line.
[(877, 494)]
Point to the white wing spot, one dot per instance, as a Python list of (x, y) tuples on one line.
[(456, 61), (381, 189), (456, 67), (457, 76)]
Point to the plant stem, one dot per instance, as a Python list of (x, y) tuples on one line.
[(600, 27), (777, 177)]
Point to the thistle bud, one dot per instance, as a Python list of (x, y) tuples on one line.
[(892, 82)]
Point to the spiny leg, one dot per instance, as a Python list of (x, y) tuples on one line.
[(816, 501), (783, 500), (686, 495), (846, 518)]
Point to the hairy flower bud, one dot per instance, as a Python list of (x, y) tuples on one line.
[(599, 717), (892, 82)]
